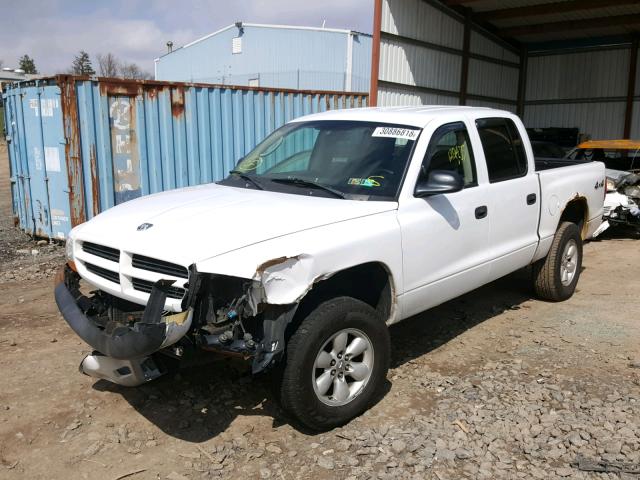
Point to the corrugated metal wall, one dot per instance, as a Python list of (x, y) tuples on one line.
[(422, 59), (430, 54), (584, 89), (273, 56), (79, 146)]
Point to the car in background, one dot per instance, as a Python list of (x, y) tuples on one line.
[(622, 163)]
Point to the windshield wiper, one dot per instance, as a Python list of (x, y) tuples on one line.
[(248, 178), (308, 183)]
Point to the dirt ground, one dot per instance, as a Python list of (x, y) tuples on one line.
[(494, 384)]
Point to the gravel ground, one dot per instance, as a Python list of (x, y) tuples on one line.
[(492, 385)]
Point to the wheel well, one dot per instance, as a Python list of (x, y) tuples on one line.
[(369, 282), (576, 211)]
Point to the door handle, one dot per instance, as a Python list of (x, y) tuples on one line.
[(531, 199), (481, 212)]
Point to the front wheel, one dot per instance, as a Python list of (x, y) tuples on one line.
[(337, 361), (555, 277)]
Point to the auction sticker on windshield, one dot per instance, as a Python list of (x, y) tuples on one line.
[(395, 132)]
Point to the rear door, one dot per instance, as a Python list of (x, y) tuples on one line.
[(514, 203)]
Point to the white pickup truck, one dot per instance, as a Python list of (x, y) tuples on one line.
[(336, 226)]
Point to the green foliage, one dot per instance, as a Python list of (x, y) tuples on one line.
[(82, 64), (27, 64)]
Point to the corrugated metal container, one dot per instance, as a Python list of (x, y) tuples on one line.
[(277, 56), (79, 146)]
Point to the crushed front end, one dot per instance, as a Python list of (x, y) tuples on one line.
[(219, 313), (622, 203)]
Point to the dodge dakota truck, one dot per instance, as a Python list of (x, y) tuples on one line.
[(336, 226)]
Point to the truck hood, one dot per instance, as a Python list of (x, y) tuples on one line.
[(196, 223)]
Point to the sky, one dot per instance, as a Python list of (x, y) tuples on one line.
[(53, 31)]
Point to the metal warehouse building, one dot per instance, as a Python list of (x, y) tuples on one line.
[(568, 63), (273, 56)]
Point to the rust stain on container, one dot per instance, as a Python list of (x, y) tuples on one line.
[(152, 92), (123, 89), (177, 102), (95, 182), (71, 128)]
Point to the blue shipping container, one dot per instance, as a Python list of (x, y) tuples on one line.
[(80, 145)]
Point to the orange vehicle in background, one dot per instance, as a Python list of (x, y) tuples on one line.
[(621, 155)]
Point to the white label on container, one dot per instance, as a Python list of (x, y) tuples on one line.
[(395, 132), (47, 105), (37, 156), (33, 105), (52, 159)]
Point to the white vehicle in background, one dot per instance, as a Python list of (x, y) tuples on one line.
[(622, 167), (336, 226)]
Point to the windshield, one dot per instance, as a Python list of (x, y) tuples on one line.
[(350, 159)]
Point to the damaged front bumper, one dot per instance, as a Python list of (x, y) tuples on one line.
[(217, 318), (119, 340)]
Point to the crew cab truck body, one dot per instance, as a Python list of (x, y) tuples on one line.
[(336, 226)]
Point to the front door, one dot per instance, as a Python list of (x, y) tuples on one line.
[(445, 237)]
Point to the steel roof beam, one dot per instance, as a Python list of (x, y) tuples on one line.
[(551, 8), (586, 24)]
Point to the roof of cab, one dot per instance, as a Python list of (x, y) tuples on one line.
[(414, 116), (611, 144)]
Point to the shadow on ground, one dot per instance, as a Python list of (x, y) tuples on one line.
[(198, 403)]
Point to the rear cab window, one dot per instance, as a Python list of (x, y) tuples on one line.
[(503, 149)]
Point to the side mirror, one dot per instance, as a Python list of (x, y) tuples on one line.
[(438, 182)]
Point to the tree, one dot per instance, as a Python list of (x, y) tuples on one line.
[(82, 64), (108, 65), (27, 64), (133, 71)]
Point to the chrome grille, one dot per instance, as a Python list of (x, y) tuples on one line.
[(103, 272), (146, 286), (101, 251), (159, 266)]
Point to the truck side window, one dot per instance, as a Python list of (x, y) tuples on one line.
[(503, 148), (450, 149)]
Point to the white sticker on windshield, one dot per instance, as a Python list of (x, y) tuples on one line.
[(395, 132)]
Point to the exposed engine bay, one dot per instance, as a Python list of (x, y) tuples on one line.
[(622, 202), (133, 343)]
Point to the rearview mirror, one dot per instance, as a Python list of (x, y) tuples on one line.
[(438, 182)]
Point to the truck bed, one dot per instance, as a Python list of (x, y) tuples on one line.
[(543, 163)]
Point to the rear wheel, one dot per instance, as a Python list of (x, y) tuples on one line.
[(337, 361), (555, 277)]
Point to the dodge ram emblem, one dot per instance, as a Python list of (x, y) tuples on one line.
[(144, 226)]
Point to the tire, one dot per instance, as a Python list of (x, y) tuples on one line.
[(300, 394), (548, 281)]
